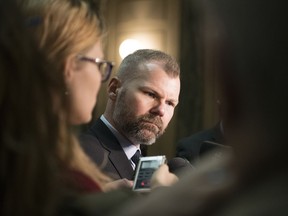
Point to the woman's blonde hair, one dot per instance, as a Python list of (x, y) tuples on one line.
[(65, 28), (29, 129)]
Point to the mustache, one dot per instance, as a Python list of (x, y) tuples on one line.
[(152, 119)]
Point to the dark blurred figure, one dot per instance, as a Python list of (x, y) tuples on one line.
[(198, 144), (252, 46), (195, 146)]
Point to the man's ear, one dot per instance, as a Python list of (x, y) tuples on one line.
[(113, 88)]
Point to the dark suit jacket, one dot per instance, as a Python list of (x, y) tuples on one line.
[(194, 146), (103, 148)]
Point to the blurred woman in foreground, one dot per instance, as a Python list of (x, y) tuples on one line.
[(41, 161), (70, 33)]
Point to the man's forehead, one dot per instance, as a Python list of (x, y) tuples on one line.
[(159, 82)]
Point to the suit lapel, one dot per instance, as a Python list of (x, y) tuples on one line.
[(116, 155)]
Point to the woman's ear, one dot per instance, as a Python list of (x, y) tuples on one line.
[(113, 88), (70, 68)]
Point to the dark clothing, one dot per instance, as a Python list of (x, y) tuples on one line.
[(194, 146), (80, 182), (100, 144), (100, 204)]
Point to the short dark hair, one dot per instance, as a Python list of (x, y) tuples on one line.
[(132, 63)]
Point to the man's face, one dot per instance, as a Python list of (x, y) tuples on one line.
[(145, 105)]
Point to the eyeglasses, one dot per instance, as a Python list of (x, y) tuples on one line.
[(105, 67)]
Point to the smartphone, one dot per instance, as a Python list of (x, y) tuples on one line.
[(145, 170)]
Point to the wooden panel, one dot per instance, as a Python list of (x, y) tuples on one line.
[(149, 39), (141, 10)]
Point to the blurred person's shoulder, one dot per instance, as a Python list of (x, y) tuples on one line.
[(269, 196), (96, 203)]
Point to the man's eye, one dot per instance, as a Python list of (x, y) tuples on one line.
[(170, 103), (150, 94)]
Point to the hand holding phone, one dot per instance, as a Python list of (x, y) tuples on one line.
[(144, 171)]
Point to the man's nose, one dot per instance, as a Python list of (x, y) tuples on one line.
[(158, 108)]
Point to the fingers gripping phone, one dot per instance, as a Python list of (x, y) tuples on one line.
[(145, 170)]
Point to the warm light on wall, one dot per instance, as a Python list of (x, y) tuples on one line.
[(130, 42), (128, 46)]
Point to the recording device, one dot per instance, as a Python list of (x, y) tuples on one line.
[(144, 171)]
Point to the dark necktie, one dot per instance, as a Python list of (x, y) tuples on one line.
[(136, 157)]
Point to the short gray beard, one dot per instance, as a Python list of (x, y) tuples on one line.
[(133, 129)]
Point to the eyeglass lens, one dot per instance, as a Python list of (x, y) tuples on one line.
[(105, 69)]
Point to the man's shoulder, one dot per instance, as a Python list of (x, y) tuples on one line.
[(192, 147), (91, 137), (86, 138), (92, 144), (91, 131), (98, 135)]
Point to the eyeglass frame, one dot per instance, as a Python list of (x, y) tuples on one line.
[(104, 76)]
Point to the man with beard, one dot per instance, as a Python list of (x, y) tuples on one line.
[(141, 102)]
